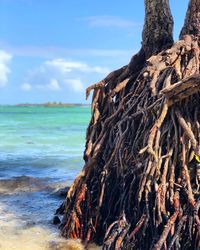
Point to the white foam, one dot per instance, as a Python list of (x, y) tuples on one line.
[(14, 235)]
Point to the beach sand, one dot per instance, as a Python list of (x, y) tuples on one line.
[(15, 234), (19, 235)]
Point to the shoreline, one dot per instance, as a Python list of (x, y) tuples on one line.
[(46, 105), (19, 231), (41, 153)]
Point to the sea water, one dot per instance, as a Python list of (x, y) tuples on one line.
[(41, 151)]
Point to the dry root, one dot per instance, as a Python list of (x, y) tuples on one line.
[(140, 184)]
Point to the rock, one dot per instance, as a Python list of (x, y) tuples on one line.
[(56, 220), (62, 192), (61, 209)]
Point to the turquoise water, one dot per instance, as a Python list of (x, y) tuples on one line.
[(42, 141), (41, 151)]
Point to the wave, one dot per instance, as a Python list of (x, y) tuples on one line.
[(25, 183)]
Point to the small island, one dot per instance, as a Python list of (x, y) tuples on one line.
[(52, 104)]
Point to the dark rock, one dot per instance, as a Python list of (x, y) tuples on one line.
[(56, 220), (61, 209), (61, 192)]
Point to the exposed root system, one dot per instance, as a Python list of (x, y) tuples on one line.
[(140, 186)]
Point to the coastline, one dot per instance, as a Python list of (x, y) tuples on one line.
[(48, 104), (40, 154), (19, 232)]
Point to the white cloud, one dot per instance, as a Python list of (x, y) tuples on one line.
[(61, 74), (110, 21), (65, 66), (54, 85), (4, 69), (75, 84), (26, 87)]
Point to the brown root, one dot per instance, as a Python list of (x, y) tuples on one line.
[(140, 185)]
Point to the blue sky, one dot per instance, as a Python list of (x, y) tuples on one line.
[(52, 50)]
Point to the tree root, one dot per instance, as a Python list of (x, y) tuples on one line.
[(139, 188)]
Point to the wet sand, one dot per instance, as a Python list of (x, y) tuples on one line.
[(27, 207), (16, 235), (19, 235)]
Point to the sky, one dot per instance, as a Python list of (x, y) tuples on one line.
[(51, 50)]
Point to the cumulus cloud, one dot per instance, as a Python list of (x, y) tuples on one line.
[(54, 85), (59, 73), (26, 87), (75, 84), (4, 69), (65, 66)]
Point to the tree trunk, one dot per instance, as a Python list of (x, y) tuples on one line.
[(158, 28), (157, 32), (140, 185), (192, 21)]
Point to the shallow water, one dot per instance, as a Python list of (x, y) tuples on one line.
[(40, 152)]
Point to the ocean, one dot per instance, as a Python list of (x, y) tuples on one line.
[(41, 151)]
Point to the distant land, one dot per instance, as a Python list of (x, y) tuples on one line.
[(52, 104)]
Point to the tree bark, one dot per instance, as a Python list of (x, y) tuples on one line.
[(157, 33), (158, 28), (192, 21)]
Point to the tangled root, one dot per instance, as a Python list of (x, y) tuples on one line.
[(140, 186)]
